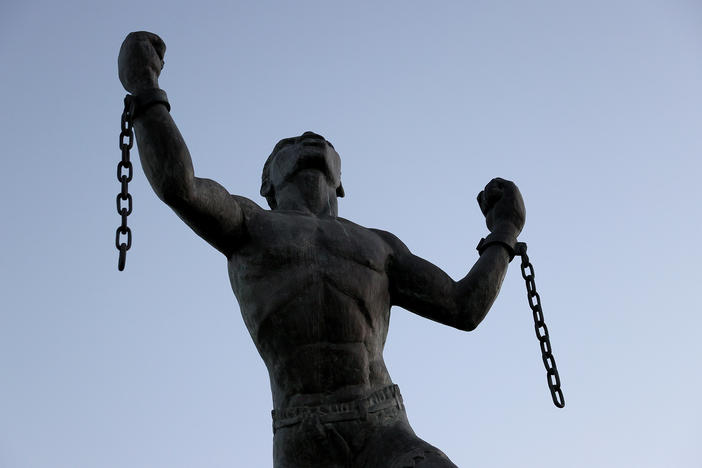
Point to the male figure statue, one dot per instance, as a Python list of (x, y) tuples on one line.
[(315, 290)]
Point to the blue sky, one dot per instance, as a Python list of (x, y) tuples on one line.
[(592, 108)]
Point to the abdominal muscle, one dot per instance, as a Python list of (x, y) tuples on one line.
[(322, 354), (324, 373)]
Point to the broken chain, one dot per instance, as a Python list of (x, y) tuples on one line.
[(552, 377), (125, 171)]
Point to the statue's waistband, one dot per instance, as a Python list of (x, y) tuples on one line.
[(385, 398)]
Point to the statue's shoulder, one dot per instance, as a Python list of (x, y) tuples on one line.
[(248, 206), (392, 241)]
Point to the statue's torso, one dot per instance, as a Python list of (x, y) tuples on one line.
[(314, 296)]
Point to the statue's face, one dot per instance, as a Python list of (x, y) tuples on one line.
[(308, 152)]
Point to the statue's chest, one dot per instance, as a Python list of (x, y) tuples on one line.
[(283, 240), (314, 278)]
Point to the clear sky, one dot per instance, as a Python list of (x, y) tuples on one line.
[(592, 108)]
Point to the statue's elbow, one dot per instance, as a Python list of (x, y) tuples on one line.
[(464, 316), (467, 324), (175, 196)]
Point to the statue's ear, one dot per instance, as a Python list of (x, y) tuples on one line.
[(340, 191), (268, 192)]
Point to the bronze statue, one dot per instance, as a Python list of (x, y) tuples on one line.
[(315, 290)]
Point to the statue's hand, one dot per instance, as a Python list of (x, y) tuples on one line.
[(503, 207), (140, 61)]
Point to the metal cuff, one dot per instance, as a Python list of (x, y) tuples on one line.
[(504, 240), (142, 101)]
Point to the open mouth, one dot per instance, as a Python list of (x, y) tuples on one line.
[(313, 157)]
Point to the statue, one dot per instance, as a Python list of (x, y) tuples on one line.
[(315, 290)]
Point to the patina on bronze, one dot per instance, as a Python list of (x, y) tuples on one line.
[(315, 290)]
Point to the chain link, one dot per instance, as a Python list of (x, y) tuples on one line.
[(125, 171), (552, 377)]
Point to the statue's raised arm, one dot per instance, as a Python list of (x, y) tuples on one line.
[(207, 207), (423, 288)]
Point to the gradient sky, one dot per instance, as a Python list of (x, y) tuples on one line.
[(592, 108)]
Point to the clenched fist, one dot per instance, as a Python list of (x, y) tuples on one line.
[(140, 61), (503, 207)]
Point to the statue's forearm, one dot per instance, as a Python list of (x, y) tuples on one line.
[(164, 155), (476, 292)]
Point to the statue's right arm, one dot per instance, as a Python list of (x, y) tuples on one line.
[(203, 204), (207, 207)]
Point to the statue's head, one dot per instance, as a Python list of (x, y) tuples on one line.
[(309, 151)]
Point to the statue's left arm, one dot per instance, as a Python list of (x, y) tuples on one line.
[(423, 288)]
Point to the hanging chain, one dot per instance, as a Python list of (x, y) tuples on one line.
[(125, 171), (552, 377)]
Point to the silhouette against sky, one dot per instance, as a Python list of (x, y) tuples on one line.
[(592, 108)]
